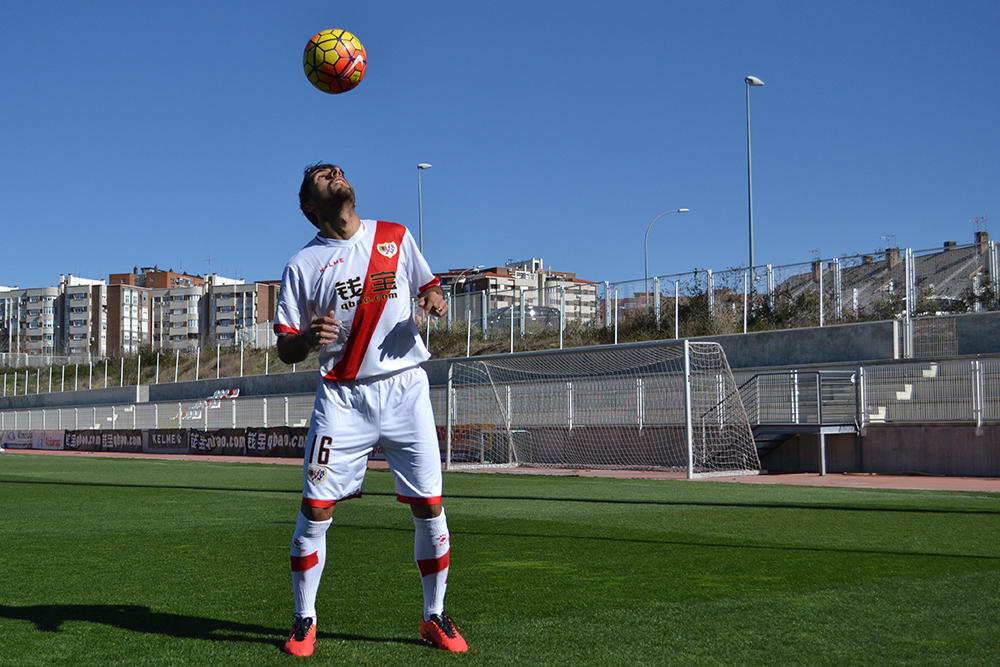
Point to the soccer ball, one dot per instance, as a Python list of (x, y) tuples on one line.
[(334, 61)]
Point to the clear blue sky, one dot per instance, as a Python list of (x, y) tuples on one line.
[(175, 133)]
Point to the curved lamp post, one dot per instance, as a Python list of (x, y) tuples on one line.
[(750, 81), (645, 248), (420, 204)]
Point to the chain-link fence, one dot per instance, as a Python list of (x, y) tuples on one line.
[(902, 284), (892, 284)]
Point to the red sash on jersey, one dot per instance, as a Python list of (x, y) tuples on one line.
[(369, 309)]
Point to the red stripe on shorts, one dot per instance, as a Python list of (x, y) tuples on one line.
[(284, 329), (433, 565), (320, 504), (370, 307), (303, 563), (411, 500), (326, 504)]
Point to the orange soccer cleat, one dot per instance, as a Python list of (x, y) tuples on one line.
[(302, 639), (441, 633)]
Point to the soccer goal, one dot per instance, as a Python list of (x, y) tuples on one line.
[(647, 406)]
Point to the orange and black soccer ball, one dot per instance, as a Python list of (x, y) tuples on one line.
[(335, 61)]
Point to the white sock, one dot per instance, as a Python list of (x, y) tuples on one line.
[(308, 557), (431, 549)]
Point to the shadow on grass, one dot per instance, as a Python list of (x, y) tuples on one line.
[(49, 618), (553, 499)]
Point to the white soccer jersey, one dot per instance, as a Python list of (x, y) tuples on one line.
[(367, 282)]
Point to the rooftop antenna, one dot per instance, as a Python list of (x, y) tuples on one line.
[(979, 219), (890, 240)]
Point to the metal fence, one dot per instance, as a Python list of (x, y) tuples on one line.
[(913, 286), (800, 397), (892, 284), (933, 392), (952, 392), (210, 414)]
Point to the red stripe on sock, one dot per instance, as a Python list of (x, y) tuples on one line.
[(303, 563), (433, 565)]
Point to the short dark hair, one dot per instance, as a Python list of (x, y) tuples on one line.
[(304, 189)]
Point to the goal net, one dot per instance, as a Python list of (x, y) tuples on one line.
[(649, 406)]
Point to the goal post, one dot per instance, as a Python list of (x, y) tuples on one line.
[(669, 405)]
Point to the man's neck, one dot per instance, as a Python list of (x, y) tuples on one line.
[(341, 227)]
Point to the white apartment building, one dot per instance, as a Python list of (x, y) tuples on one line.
[(232, 311), (504, 286), (84, 317), (29, 320), (129, 318), (177, 317)]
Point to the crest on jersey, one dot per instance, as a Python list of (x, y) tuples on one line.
[(316, 474), (387, 249)]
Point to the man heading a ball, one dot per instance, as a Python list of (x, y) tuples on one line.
[(347, 293)]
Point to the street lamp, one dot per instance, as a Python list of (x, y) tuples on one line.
[(467, 271), (750, 81), (645, 248), (420, 204)]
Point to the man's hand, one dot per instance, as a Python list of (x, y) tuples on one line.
[(322, 331), (432, 302)]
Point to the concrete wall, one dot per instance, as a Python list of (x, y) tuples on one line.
[(978, 333), (952, 450), (939, 450), (852, 343), (303, 382), (801, 454), (109, 396)]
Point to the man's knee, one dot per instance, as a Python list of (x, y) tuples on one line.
[(317, 513), (426, 511)]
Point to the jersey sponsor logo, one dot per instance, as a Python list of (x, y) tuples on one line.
[(382, 285), (349, 289), (387, 249), (368, 299), (332, 262), (316, 474), (383, 281)]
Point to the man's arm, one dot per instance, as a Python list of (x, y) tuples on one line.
[(293, 348), (432, 302)]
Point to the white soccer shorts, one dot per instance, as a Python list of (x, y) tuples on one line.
[(350, 418)]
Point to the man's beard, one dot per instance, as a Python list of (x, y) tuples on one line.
[(335, 200)]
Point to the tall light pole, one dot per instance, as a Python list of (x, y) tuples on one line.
[(750, 81), (420, 204), (645, 248)]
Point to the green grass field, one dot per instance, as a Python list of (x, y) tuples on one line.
[(144, 562)]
